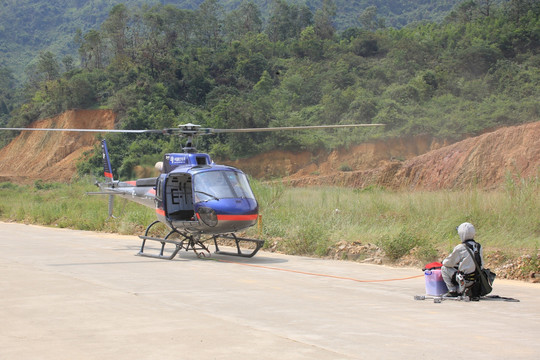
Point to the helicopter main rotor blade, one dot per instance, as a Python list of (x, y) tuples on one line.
[(290, 128), (194, 130), (88, 130)]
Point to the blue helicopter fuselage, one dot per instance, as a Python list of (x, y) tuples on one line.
[(192, 194), (206, 199)]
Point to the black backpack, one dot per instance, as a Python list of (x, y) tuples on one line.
[(483, 277), (475, 248)]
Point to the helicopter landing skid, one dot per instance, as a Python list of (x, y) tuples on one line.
[(195, 244), (189, 242), (237, 240)]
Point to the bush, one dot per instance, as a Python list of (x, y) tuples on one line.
[(8, 186), (41, 185), (427, 253), (311, 238), (399, 246)]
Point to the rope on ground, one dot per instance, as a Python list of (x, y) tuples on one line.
[(312, 273)]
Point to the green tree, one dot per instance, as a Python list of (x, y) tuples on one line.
[(323, 20), (309, 44), (366, 44), (252, 67), (91, 49), (467, 11), (486, 7), (7, 88), (68, 62), (182, 24), (209, 23), (115, 28), (244, 20), (287, 21), (443, 79), (477, 60), (80, 92), (265, 83), (518, 9), (48, 65), (369, 19), (155, 49)]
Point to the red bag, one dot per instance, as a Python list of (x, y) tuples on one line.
[(432, 266)]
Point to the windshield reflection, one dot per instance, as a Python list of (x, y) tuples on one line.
[(222, 184)]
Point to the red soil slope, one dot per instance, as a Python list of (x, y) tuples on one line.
[(483, 161), (418, 163), (413, 162), (52, 156)]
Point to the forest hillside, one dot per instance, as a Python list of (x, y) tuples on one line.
[(28, 27), (160, 66)]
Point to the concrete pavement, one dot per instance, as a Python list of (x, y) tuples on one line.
[(68, 294)]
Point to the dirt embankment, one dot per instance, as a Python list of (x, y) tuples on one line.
[(482, 161), (52, 156), (303, 168), (417, 163)]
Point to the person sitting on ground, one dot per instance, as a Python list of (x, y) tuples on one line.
[(460, 261)]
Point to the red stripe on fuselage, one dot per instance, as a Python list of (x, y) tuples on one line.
[(234, 217), (133, 183), (160, 212), (237, 217)]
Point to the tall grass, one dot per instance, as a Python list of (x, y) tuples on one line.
[(67, 206), (309, 221)]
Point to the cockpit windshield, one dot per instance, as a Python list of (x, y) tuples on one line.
[(222, 184)]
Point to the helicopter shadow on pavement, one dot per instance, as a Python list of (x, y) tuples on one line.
[(258, 259)]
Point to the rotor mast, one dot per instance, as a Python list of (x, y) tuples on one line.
[(189, 130)]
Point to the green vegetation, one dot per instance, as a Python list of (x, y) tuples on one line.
[(65, 206), (159, 66), (400, 221), (28, 27), (311, 221)]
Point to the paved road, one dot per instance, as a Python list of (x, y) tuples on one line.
[(82, 295)]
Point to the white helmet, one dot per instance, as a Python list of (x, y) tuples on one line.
[(466, 231)]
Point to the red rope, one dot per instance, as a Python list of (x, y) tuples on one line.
[(315, 274)]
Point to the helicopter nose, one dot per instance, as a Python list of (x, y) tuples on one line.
[(208, 216)]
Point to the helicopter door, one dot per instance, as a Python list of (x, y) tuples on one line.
[(179, 197)]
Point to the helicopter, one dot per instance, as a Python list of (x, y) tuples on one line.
[(198, 201)]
